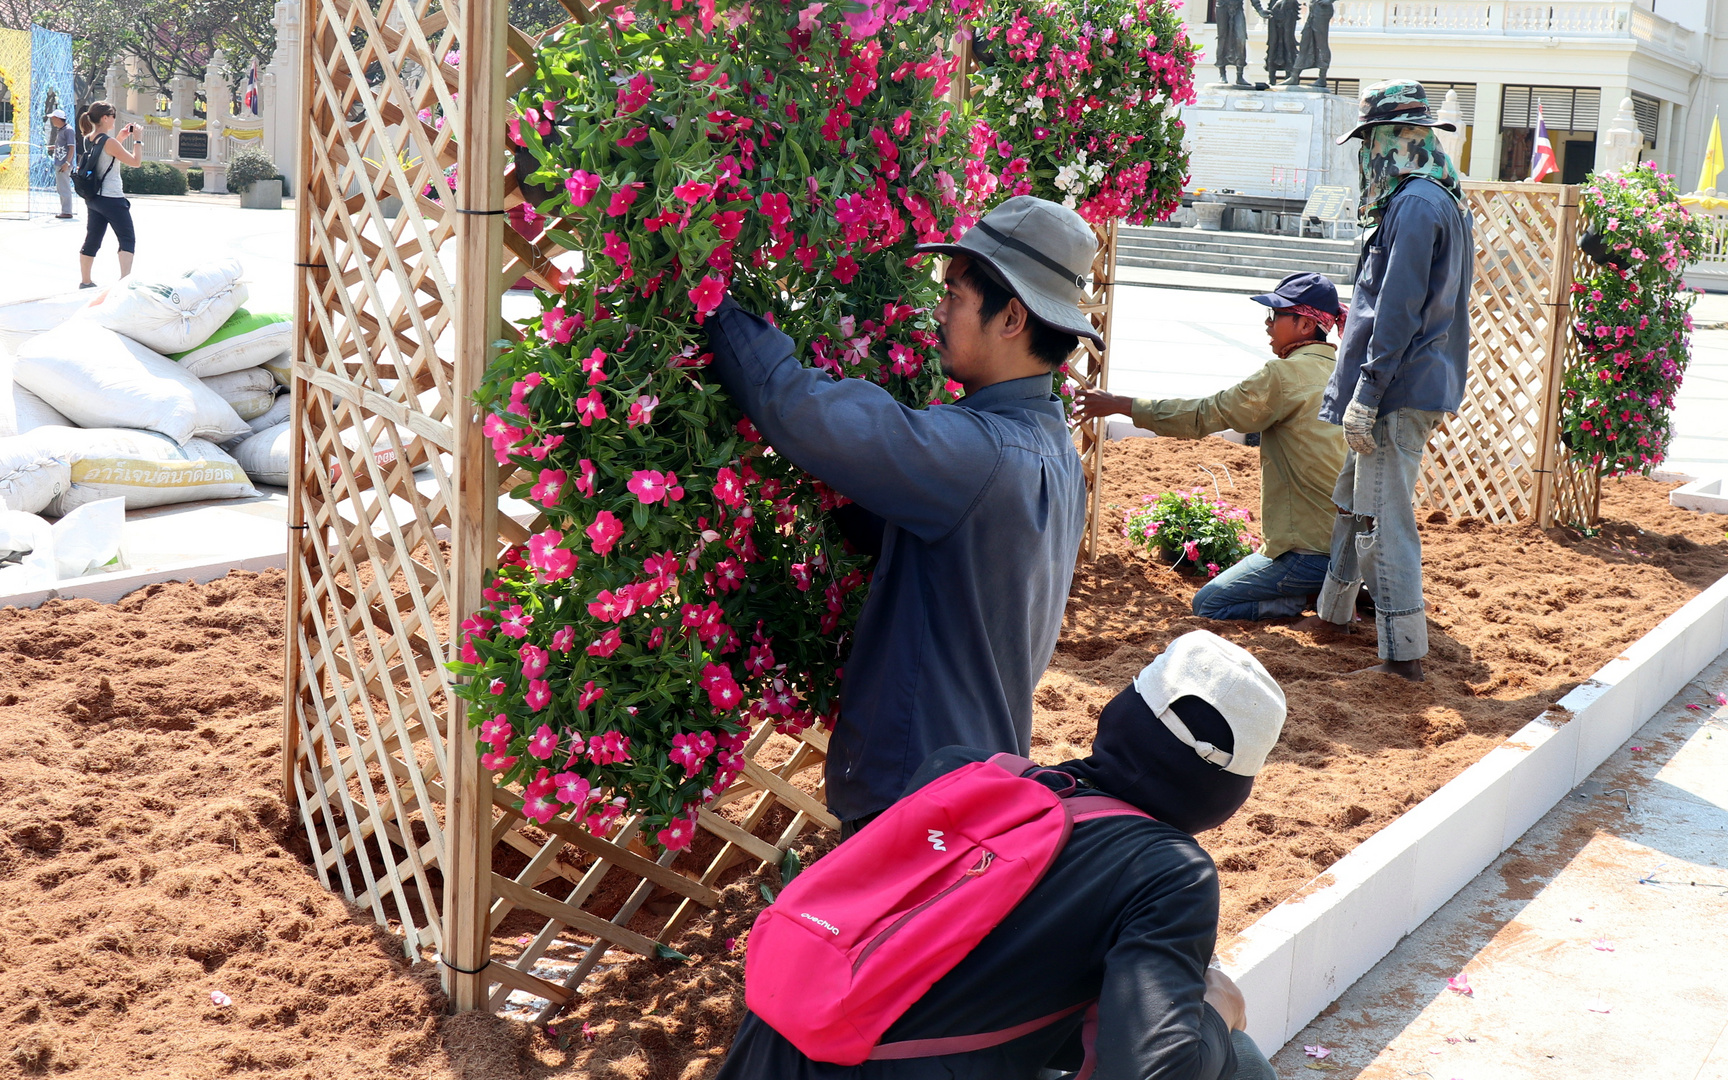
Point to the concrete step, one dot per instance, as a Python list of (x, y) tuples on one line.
[(1242, 265), (1165, 236), (1271, 249)]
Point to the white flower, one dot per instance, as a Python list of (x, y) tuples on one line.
[(1099, 81), (1069, 202), (1035, 104)]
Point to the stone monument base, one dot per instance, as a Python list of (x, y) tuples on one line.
[(1278, 143)]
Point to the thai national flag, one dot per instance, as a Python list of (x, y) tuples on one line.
[(250, 99), (1542, 161)]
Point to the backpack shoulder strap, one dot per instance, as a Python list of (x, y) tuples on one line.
[(1013, 763), (963, 1044), (1088, 805)]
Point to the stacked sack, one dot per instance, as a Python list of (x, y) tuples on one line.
[(155, 393)]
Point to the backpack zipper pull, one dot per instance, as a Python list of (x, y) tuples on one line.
[(984, 862)]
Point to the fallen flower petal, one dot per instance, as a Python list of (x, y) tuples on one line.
[(1460, 983), (1599, 1006), (217, 997), (1602, 945), (1316, 1051)]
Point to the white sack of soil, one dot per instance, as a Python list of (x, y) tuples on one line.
[(265, 456), (174, 315), (53, 471), (251, 393), (21, 321), (101, 379), (280, 411), (246, 340)]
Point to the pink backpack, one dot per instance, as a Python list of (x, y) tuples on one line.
[(855, 940)]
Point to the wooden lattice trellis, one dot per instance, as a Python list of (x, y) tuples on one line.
[(1500, 457), (396, 511)]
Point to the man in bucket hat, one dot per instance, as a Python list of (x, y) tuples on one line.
[(1106, 966), (1401, 364), (1300, 454), (63, 143), (974, 509)]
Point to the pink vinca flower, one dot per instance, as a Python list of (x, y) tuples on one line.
[(606, 644), (534, 661), (585, 481), (539, 694), (594, 366), (677, 834), (540, 808), (605, 532), (497, 761), (497, 731), (648, 485), (642, 410), (513, 623), (590, 694), (571, 788), (581, 186), (556, 327), (544, 743), (707, 296), (554, 563), (590, 408), (550, 485), (609, 749), (565, 639)]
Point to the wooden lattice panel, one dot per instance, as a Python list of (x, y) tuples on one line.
[(395, 506), (1499, 458)]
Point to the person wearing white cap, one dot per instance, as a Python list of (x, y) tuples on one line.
[(1126, 915), (63, 142), (975, 509)]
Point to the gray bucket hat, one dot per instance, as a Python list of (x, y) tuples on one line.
[(1041, 252)]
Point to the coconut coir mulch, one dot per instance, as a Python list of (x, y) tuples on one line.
[(146, 861)]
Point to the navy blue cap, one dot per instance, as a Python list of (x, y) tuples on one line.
[(1314, 290)]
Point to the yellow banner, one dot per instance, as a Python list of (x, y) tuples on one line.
[(15, 155)]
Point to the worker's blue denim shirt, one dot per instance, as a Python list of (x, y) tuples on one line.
[(983, 501), (1406, 342)]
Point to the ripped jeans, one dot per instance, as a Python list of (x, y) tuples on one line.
[(1374, 540)]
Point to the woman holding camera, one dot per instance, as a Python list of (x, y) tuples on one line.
[(110, 207)]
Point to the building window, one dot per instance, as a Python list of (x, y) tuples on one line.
[(1573, 108), (1649, 113), (1466, 98), (1571, 114)]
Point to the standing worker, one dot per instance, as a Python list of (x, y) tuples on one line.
[(1300, 454), (1401, 364), (64, 146), (110, 206), (979, 505)]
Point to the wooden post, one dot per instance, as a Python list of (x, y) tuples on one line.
[(308, 341), (1094, 374), (479, 203), (1559, 305)]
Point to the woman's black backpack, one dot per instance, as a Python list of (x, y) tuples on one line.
[(87, 180)]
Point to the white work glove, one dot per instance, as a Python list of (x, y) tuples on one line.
[(1359, 427)]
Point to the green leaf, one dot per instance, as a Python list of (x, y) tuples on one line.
[(667, 952), (790, 865), (563, 239), (767, 893)]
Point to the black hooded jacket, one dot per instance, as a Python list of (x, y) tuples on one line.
[(1128, 914)]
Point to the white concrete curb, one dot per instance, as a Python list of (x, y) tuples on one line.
[(107, 588), (1300, 956), (1704, 496)]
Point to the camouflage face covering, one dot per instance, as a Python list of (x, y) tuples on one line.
[(1391, 153)]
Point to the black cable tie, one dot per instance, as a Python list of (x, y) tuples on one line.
[(464, 971), (314, 266), (482, 213), (302, 528)]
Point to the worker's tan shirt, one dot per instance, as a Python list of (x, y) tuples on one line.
[(1300, 454)]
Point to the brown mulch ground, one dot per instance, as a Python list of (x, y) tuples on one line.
[(146, 860)]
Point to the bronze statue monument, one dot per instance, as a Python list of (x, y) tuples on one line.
[(1280, 16), (1232, 24), (1316, 49)]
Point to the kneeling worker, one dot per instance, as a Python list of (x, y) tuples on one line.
[(1300, 454), (1100, 964)]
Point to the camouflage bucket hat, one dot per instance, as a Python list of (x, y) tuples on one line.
[(1395, 101)]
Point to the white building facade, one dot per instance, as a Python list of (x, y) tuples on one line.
[(1578, 59)]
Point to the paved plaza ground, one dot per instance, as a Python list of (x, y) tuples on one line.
[(1549, 1001)]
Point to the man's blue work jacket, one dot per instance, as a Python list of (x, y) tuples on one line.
[(983, 504), (1406, 342)]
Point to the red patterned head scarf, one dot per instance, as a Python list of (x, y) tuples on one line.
[(1326, 320)]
